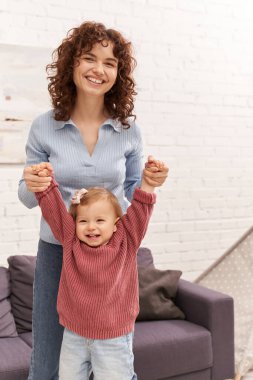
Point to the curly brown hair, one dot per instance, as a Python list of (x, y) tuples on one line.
[(119, 101)]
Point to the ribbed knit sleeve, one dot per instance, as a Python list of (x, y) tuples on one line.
[(135, 221), (55, 213)]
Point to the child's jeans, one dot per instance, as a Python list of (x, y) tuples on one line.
[(108, 359)]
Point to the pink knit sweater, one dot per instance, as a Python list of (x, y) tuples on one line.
[(98, 295)]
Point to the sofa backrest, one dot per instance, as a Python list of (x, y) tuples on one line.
[(22, 268), (144, 257), (7, 323)]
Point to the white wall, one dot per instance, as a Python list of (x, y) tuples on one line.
[(195, 84)]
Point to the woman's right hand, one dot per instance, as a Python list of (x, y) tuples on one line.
[(36, 182)]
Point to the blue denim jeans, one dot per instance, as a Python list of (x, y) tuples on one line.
[(47, 332), (110, 359)]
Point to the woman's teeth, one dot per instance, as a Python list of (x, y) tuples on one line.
[(93, 80)]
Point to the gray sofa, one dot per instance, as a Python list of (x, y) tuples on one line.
[(199, 347)]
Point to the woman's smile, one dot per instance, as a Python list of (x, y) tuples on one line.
[(94, 80)]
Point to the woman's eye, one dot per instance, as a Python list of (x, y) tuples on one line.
[(88, 59), (111, 64)]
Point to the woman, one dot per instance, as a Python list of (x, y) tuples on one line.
[(90, 130)]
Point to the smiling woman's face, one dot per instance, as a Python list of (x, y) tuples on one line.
[(96, 71)]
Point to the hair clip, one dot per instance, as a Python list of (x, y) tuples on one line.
[(78, 195)]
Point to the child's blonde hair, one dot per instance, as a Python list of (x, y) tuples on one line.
[(94, 194)]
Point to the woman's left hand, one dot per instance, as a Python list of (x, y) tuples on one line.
[(155, 172)]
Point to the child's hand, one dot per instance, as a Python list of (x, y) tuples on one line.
[(44, 169), (38, 177), (155, 172), (154, 165)]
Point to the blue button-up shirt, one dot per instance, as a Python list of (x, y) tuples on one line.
[(116, 162)]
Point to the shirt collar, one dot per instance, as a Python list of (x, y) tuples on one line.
[(114, 123)]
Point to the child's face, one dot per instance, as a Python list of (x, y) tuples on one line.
[(96, 223)]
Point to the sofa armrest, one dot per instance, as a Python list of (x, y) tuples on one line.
[(214, 311)]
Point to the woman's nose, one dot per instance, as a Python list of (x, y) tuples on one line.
[(98, 68)]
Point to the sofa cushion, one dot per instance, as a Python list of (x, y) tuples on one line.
[(176, 347), (27, 338), (144, 257), (22, 274), (157, 289), (15, 357), (7, 323), (206, 374)]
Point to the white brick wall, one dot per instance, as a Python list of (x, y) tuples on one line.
[(18, 226), (195, 82)]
